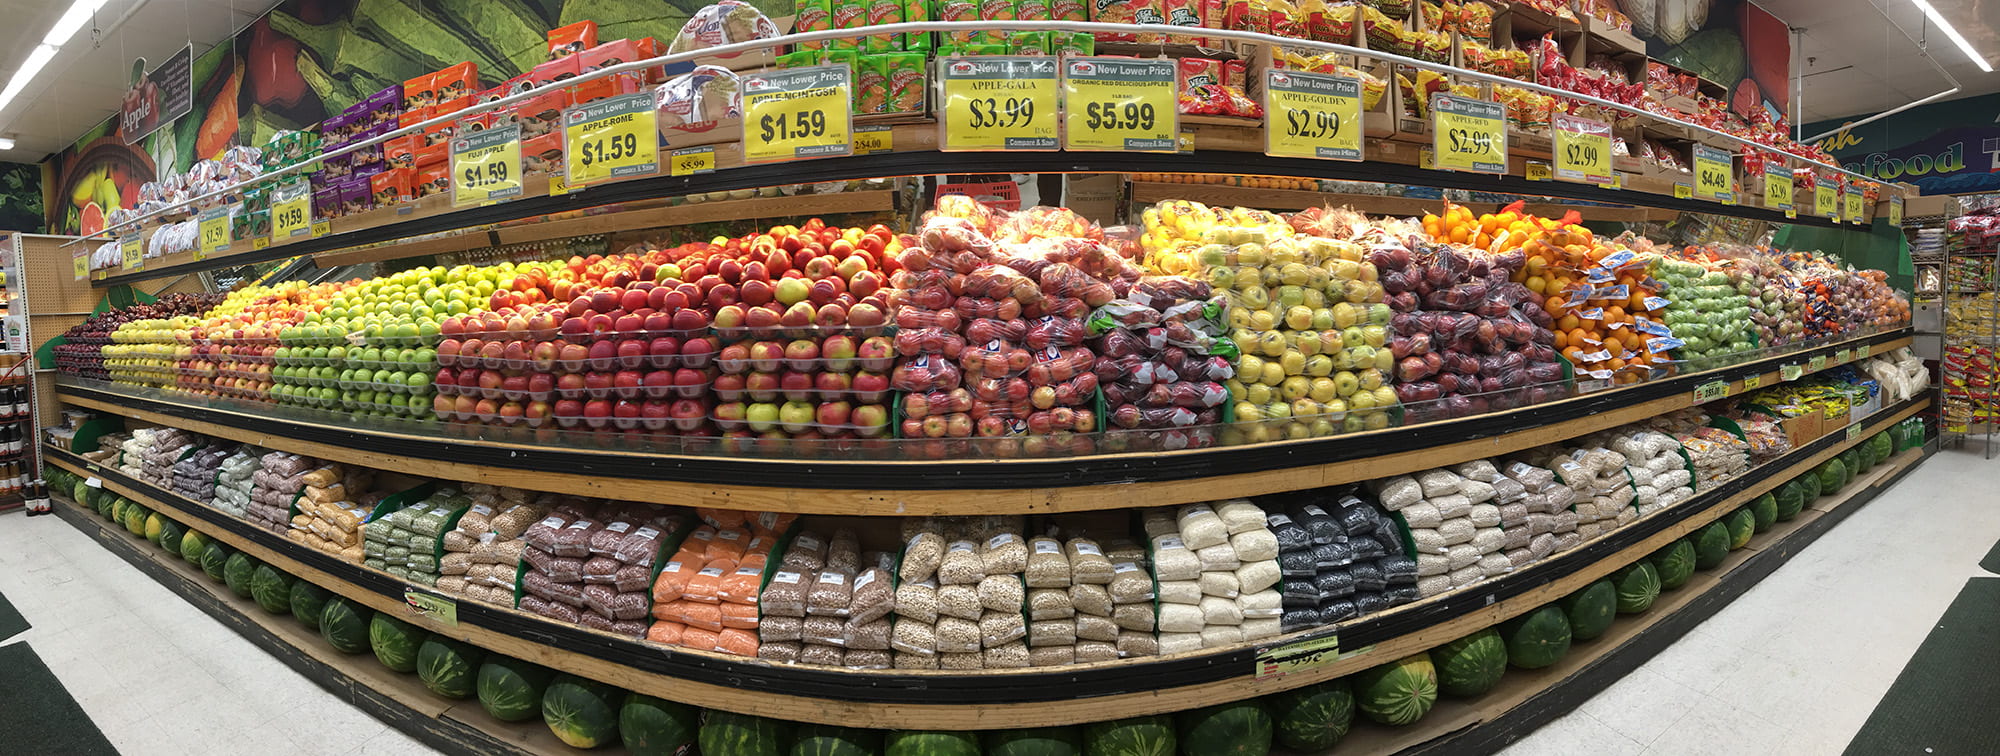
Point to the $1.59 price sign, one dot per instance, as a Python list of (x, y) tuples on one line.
[(486, 166), (1778, 188), (611, 138), (132, 253), (1468, 134), (291, 210), (1714, 172), (998, 103), (1120, 104), (798, 113), (213, 226), (1308, 115), (1583, 150)]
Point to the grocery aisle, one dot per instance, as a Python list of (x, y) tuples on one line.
[(1796, 664), (157, 675)]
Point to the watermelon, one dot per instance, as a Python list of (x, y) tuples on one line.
[(1136, 736), (395, 642), (155, 527), (193, 544), (1470, 665), (1742, 524), (1591, 610), (1791, 499), (449, 668), (1398, 693), (238, 573), (1241, 727), (170, 536), (1832, 476), (1638, 585), (1034, 741), (584, 714), (1810, 485), (1537, 639), (215, 560), (511, 689), (830, 740), (340, 623), (308, 603), (1884, 446), (1852, 465), (1764, 512), (272, 588), (925, 743), (1711, 545), (1313, 718), (135, 519), (1675, 563), (726, 733)]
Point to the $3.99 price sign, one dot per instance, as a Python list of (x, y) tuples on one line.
[(1583, 150), (1468, 134), (998, 103), (1120, 104), (291, 210), (1308, 115), (486, 166), (1713, 173), (798, 113), (611, 138)]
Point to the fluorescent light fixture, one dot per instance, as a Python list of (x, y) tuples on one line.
[(72, 21), (1936, 18), (6, 143), (33, 65)]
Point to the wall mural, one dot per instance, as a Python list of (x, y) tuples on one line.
[(1730, 42)]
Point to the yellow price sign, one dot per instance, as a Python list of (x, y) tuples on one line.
[(1841, 357), (1583, 150), (1683, 191), (80, 260), (998, 103), (1308, 115), (431, 605), (1896, 211), (869, 140), (798, 113), (1853, 202), (1752, 381), (558, 185), (1711, 391), (1469, 134), (611, 138), (260, 242), (1790, 372), (1714, 172), (291, 210), (1816, 363), (1861, 352), (133, 252), (1294, 658), (486, 166), (213, 230), (1120, 104), (1537, 171), (691, 161), (322, 228), (1778, 188), (1826, 201)]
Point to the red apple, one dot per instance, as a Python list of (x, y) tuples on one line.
[(603, 355), (689, 320), (838, 350), (832, 386), (698, 352), (603, 301), (833, 414), (734, 358), (761, 387), (756, 291), (869, 387), (797, 386), (631, 353), (876, 354), (572, 356), (802, 354)]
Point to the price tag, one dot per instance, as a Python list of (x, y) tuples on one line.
[(1312, 115), (1683, 191), (1853, 431), (1817, 363), (1120, 104), (1778, 189), (1861, 352), (1427, 159), (1896, 211), (1713, 171), (1539, 171), (1826, 201), (291, 210), (1753, 381), (1853, 200), (998, 103), (1790, 372), (80, 260), (260, 242), (133, 252), (213, 226), (1582, 150), (1294, 658), (798, 113), (611, 138), (558, 185), (691, 161), (1841, 357), (430, 605), (322, 228), (869, 140), (1469, 134), (1711, 391), (486, 166), (93, 482)]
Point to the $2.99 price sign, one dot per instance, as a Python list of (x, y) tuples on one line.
[(1308, 115), (486, 166), (611, 138), (1778, 188), (798, 113), (291, 210), (998, 103), (1120, 104), (1583, 150), (1468, 134)]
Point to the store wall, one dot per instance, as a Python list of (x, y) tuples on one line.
[(1944, 148), (21, 198), (1731, 42), (308, 58)]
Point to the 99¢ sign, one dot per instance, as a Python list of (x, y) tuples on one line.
[(1468, 134), (611, 138), (486, 166), (1120, 104), (997, 103), (798, 113), (1310, 115)]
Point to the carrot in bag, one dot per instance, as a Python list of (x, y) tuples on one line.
[(706, 584), (743, 616), (737, 641), (665, 632), (673, 579), (698, 615), (697, 638)]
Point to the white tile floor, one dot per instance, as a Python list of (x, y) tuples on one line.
[(1792, 667)]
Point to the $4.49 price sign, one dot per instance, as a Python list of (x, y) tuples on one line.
[(291, 210), (1469, 134), (213, 227), (1310, 115), (998, 103), (798, 113), (1120, 104), (486, 166), (1714, 173), (1583, 150), (611, 138)]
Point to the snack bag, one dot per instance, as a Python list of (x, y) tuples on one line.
[(1193, 73), (811, 16), (996, 10), (1029, 43), (908, 83), (1113, 12), (572, 39), (726, 22), (418, 93), (1150, 12), (958, 10), (884, 12), (1069, 10), (613, 53), (455, 82), (917, 11), (697, 100), (871, 85), (393, 186), (1073, 43), (1033, 10), (1184, 13), (543, 153)]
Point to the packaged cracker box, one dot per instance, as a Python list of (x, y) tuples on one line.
[(572, 39), (812, 16)]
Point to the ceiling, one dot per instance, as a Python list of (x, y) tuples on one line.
[(1858, 57), (85, 81)]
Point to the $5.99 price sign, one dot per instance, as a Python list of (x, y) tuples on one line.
[(291, 210), (798, 113), (998, 103), (486, 166), (1308, 115), (1468, 134), (611, 138), (1120, 104), (1583, 150)]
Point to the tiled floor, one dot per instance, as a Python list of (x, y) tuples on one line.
[(1792, 667)]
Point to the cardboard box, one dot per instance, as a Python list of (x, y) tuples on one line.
[(1801, 430)]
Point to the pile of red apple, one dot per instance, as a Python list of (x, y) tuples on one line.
[(1162, 387), (1466, 340)]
